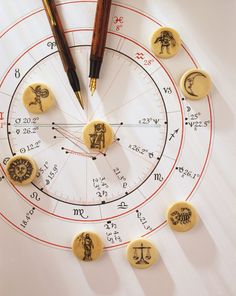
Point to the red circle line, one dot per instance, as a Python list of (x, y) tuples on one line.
[(167, 177)]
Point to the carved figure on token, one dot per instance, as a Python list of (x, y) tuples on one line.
[(167, 40), (141, 253), (20, 170), (189, 82), (87, 245), (195, 84), (181, 217), (141, 258), (97, 139), (40, 93)]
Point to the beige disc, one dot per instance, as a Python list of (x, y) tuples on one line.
[(165, 43), (87, 246), (98, 135), (195, 84), (182, 216), (21, 169), (141, 253), (38, 98)]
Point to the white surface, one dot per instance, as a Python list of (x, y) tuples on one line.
[(201, 262)]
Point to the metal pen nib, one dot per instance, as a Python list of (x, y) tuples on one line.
[(80, 99), (93, 85)]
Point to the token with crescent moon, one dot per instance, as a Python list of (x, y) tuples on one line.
[(195, 84)]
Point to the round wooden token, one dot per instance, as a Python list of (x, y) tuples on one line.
[(182, 216), (141, 253), (195, 84), (98, 135), (165, 42), (87, 246), (21, 169), (38, 98)]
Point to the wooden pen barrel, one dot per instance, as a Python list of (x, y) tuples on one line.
[(59, 35), (100, 28)]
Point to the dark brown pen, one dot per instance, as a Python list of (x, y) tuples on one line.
[(99, 41), (63, 47)]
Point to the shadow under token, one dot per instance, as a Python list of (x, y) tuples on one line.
[(198, 245), (155, 280), (101, 275)]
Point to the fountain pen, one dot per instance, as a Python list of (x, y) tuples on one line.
[(99, 41), (63, 47)]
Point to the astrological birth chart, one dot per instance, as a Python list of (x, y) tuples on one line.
[(161, 140)]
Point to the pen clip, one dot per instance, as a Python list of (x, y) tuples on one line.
[(49, 12)]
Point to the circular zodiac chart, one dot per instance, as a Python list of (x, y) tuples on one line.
[(160, 140)]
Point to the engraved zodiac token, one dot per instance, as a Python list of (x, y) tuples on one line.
[(182, 216), (141, 253), (98, 135), (195, 84), (21, 169), (165, 42), (38, 98), (87, 246)]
